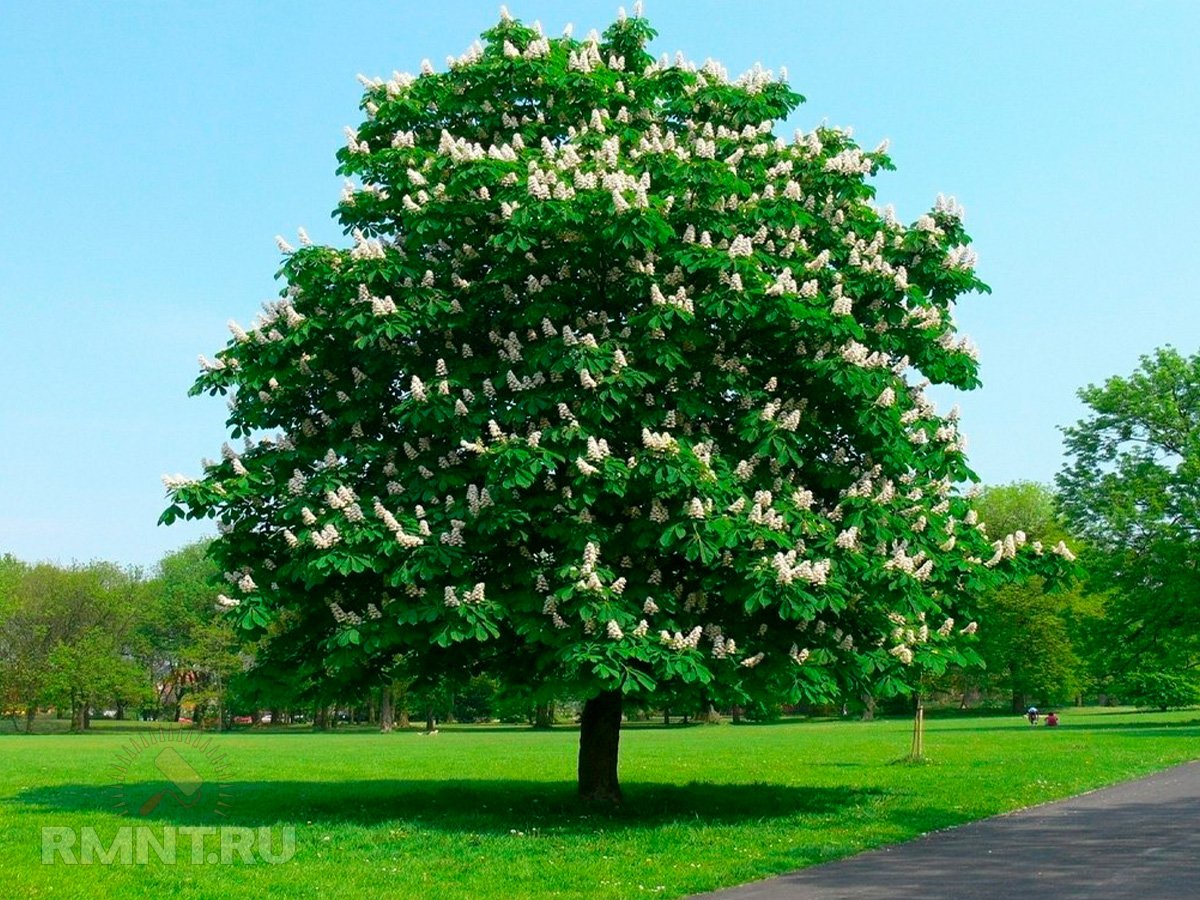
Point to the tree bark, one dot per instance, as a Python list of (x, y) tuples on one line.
[(387, 720), (30, 715), (76, 715), (543, 716), (868, 712), (918, 742), (599, 739), (430, 721)]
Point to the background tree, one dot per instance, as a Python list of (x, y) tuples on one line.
[(26, 640), (614, 388), (1131, 489), (180, 604), (1030, 639), (65, 638), (91, 668)]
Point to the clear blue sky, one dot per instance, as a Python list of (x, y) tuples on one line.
[(152, 150)]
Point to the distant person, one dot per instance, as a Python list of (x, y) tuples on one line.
[(1051, 719), (1032, 715)]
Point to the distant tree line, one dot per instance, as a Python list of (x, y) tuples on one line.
[(98, 639)]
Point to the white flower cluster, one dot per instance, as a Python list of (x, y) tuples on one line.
[(962, 258), (478, 499), (722, 646), (679, 300), (680, 641), (741, 246), (763, 513), (1006, 548), (589, 580), (660, 442), (851, 161), (1062, 550), (787, 569), (473, 596), (366, 248), (918, 566), (343, 498), (859, 355), (326, 537), (949, 206), (389, 521)]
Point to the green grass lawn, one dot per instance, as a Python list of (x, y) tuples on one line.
[(488, 811)]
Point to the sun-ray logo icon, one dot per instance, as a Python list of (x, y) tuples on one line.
[(174, 773)]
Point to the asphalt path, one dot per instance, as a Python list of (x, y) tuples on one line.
[(1139, 839)]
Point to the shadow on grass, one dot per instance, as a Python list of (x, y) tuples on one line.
[(465, 805)]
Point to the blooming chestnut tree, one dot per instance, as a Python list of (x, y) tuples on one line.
[(615, 384)]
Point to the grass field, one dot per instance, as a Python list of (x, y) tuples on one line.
[(488, 811)]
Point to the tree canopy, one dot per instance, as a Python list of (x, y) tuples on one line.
[(1033, 641), (1131, 488), (614, 386)]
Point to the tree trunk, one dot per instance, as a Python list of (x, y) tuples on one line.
[(276, 716), (120, 711), (666, 717), (430, 721), (387, 720), (400, 702), (1018, 702), (918, 741), (30, 715), (599, 738), (543, 716), (868, 712), (737, 715)]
